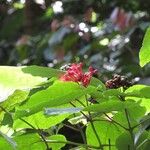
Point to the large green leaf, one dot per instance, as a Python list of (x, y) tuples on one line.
[(16, 78), (138, 91), (58, 94), (135, 113), (17, 97), (25, 77), (39, 120), (30, 141), (110, 105), (145, 50), (42, 71), (33, 141), (106, 131)]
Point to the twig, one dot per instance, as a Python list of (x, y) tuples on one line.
[(73, 128), (115, 122), (78, 144), (81, 112), (92, 125), (130, 128), (81, 102)]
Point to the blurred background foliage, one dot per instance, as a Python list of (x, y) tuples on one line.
[(107, 34)]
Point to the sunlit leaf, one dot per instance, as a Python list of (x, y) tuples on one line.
[(58, 94), (54, 141), (39, 120), (107, 132), (145, 50)]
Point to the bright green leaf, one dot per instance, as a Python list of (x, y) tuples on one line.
[(39, 120), (58, 94), (108, 106), (138, 91), (17, 97), (17, 78), (7, 141), (53, 141), (145, 50), (106, 131)]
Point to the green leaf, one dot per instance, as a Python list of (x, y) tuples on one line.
[(112, 92), (12, 101), (53, 141), (17, 97), (145, 50), (39, 120), (30, 141), (124, 142), (145, 103), (33, 141), (17, 78), (97, 83), (5, 145), (42, 71), (138, 91), (58, 94), (108, 106), (8, 141), (7, 120), (143, 141), (106, 132), (141, 130), (135, 112)]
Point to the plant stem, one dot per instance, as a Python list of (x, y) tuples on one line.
[(130, 128), (140, 123), (146, 140), (73, 128), (95, 132), (92, 125), (82, 134), (81, 103), (115, 122), (80, 129), (78, 144), (81, 112)]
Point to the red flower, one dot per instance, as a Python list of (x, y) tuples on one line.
[(75, 73)]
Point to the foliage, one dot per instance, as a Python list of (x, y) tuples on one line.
[(35, 111), (42, 108)]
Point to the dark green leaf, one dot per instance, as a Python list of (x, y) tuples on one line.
[(124, 142)]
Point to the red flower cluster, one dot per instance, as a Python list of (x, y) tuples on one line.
[(75, 73)]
